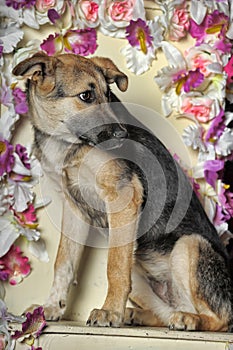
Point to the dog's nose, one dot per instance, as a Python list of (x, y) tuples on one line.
[(120, 134)]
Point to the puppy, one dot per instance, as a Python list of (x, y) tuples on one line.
[(116, 176)]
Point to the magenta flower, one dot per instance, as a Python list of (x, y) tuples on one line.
[(22, 153), (221, 216), (211, 169), (27, 218), (33, 326), (13, 266), (193, 80), (229, 70), (19, 4), (138, 35), (20, 101), (6, 157), (53, 44), (214, 23), (216, 127), (81, 41)]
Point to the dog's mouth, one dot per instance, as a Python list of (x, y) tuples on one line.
[(105, 139)]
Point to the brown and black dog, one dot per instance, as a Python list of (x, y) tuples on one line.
[(164, 254)]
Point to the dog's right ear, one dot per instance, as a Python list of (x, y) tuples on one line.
[(40, 68)]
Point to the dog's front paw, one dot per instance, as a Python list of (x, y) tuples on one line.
[(55, 311), (105, 318), (182, 321)]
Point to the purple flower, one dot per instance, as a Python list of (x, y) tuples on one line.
[(221, 216), (53, 44), (20, 100), (211, 169), (34, 324), (193, 80), (22, 153), (216, 127), (81, 41), (19, 4), (138, 34), (53, 15), (214, 23), (6, 157), (1, 50)]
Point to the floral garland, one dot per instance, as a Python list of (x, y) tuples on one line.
[(196, 85)]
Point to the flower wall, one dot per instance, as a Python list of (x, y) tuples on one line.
[(196, 85)]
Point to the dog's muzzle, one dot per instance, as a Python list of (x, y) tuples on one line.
[(109, 137)]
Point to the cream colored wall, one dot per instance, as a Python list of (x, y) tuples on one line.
[(90, 292)]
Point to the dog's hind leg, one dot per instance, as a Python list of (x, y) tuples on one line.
[(123, 207), (202, 291), (73, 237)]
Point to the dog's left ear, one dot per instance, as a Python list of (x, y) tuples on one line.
[(111, 72)]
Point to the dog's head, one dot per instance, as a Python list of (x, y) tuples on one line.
[(69, 97)]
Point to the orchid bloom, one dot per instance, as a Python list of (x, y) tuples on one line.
[(6, 157), (13, 266), (32, 327), (138, 35)]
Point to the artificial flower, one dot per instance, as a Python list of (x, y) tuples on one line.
[(193, 79), (43, 6), (81, 41), (13, 266), (10, 35), (193, 137), (20, 4), (6, 157), (27, 218), (53, 44), (179, 23), (32, 327), (115, 15), (211, 170), (197, 107), (215, 24), (138, 35), (224, 145), (88, 12), (229, 70), (20, 101), (216, 127), (23, 155)]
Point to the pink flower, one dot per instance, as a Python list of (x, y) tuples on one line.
[(44, 5), (179, 24), (198, 107), (6, 157), (121, 10), (27, 218), (201, 63), (13, 266), (89, 9), (53, 44), (33, 326), (81, 41), (229, 70), (20, 101), (138, 34)]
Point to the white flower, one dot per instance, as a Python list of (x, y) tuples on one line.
[(136, 61), (9, 232), (224, 145), (193, 136), (112, 23), (10, 35), (26, 51)]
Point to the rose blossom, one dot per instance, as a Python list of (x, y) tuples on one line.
[(89, 10), (44, 5), (179, 24), (198, 107), (121, 10)]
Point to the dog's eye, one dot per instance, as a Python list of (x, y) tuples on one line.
[(87, 96)]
